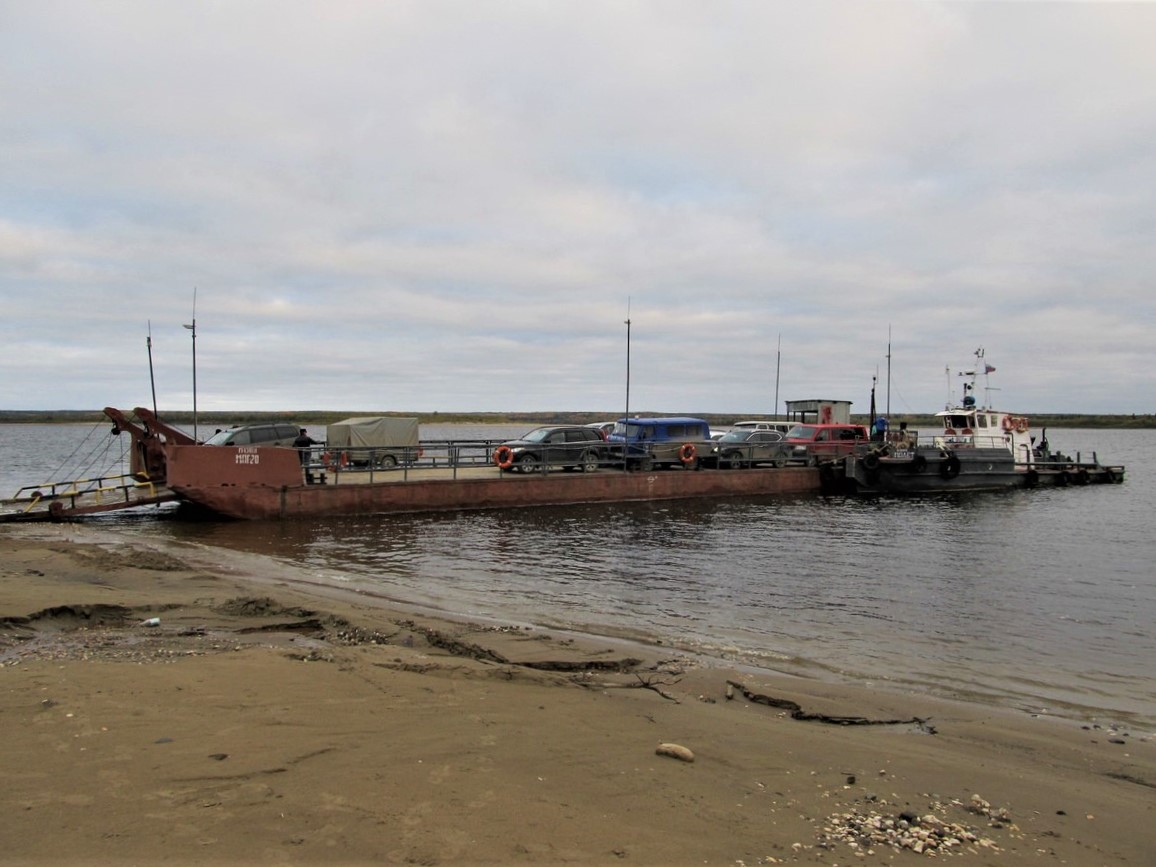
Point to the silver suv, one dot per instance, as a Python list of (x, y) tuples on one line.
[(748, 447), (267, 434), (569, 447)]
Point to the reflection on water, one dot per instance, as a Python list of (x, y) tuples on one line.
[(970, 596), (1038, 599)]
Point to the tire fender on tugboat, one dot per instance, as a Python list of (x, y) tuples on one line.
[(949, 469)]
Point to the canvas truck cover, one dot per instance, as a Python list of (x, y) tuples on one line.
[(372, 432)]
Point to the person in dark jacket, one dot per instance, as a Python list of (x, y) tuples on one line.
[(302, 444)]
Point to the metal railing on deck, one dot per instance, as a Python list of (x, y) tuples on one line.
[(322, 462), (393, 461)]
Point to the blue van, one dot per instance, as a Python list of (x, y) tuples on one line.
[(645, 443)]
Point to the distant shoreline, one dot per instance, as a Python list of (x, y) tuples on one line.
[(1130, 421)]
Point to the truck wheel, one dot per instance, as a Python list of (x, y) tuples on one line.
[(387, 462)]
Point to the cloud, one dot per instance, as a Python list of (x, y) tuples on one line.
[(456, 206)]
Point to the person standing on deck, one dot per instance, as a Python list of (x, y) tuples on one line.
[(302, 444)]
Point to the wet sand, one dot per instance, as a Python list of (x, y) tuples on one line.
[(173, 703)]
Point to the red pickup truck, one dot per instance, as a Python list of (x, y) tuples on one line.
[(811, 443)]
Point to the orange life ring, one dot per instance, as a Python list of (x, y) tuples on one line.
[(1021, 425), (949, 432), (687, 453), (504, 457), (1009, 423), (967, 431)]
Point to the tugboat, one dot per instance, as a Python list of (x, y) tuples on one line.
[(977, 449)]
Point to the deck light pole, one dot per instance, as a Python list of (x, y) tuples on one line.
[(778, 362), (626, 434), (193, 328), (152, 378)]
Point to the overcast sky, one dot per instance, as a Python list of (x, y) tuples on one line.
[(455, 206)]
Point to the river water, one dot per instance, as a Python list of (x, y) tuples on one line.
[(1041, 600)]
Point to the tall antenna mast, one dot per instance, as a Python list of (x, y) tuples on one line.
[(888, 371), (193, 328)]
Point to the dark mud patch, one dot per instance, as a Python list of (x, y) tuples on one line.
[(265, 606), (796, 712), (64, 617)]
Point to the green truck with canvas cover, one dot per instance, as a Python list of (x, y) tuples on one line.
[(373, 441)]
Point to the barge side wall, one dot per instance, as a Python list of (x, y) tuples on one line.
[(266, 484)]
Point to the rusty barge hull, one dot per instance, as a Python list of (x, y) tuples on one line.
[(254, 483)]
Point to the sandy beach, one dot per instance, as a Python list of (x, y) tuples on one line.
[(169, 703)]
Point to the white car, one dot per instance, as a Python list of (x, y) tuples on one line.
[(781, 426), (603, 427)]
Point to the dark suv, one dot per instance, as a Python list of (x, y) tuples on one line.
[(569, 447)]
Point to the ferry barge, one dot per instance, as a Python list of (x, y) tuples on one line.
[(277, 483), (259, 483)]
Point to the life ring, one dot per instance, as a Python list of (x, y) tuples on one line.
[(1021, 425), (967, 431), (687, 453), (504, 457), (949, 469), (949, 432), (1009, 423)]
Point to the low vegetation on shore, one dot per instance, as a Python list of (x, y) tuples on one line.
[(319, 417)]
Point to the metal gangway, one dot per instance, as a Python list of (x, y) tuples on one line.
[(61, 500)]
